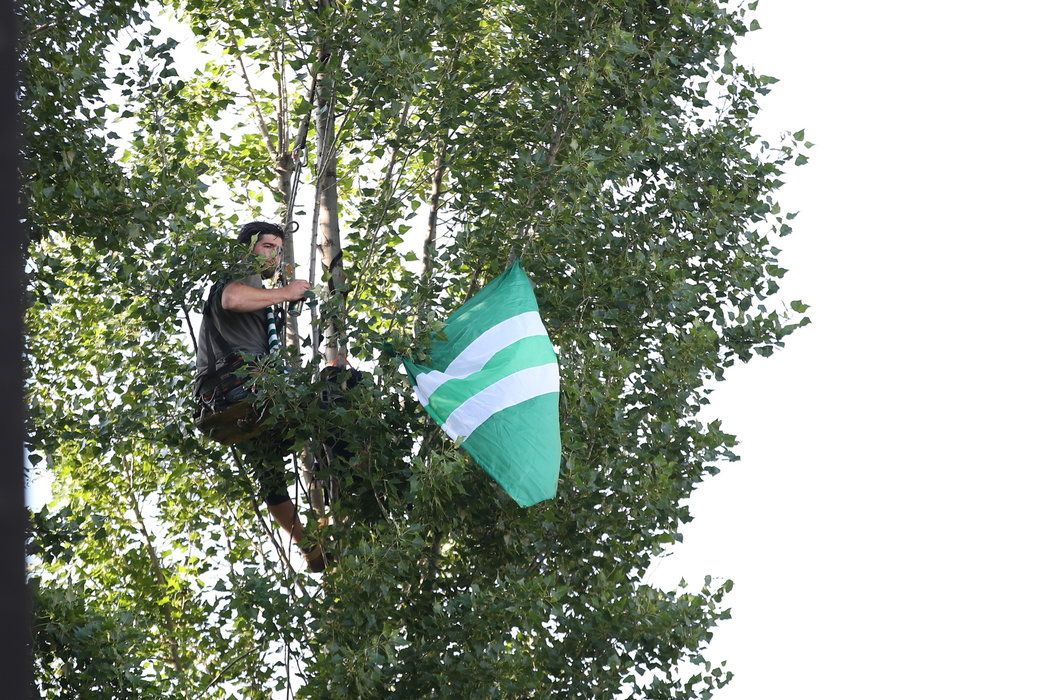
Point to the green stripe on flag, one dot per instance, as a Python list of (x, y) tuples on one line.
[(528, 352), (508, 295), (529, 472)]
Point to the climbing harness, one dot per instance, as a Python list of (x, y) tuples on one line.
[(225, 412)]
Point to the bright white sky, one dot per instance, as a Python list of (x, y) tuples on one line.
[(886, 527)]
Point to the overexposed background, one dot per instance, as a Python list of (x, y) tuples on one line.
[(886, 528)]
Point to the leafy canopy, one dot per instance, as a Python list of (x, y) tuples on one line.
[(610, 145)]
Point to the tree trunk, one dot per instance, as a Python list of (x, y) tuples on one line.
[(326, 217), (285, 166), (328, 202)]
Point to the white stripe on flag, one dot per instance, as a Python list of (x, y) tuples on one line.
[(481, 349), (509, 391)]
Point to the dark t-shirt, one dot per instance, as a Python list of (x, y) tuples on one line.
[(243, 331)]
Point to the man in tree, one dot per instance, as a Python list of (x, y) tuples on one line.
[(237, 316)]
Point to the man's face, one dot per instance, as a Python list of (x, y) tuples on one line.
[(268, 251)]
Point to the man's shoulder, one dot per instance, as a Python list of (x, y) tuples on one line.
[(250, 281), (221, 282), (214, 298)]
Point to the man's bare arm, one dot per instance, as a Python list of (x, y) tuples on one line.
[(241, 298)]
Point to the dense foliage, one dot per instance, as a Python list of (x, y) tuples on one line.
[(609, 145)]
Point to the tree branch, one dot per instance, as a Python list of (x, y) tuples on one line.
[(263, 126), (189, 324), (435, 204), (228, 666), (158, 572)]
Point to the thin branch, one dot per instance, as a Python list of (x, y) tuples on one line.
[(263, 126), (435, 204), (228, 666), (374, 226), (193, 333), (155, 562), (315, 332), (430, 245), (403, 121), (158, 573), (47, 25), (559, 127), (324, 159), (282, 102), (434, 557)]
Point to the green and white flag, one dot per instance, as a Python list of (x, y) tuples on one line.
[(494, 384)]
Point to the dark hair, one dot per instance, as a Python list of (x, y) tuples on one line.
[(253, 229)]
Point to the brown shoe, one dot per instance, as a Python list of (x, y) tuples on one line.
[(317, 560)]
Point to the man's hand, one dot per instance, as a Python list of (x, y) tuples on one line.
[(296, 290)]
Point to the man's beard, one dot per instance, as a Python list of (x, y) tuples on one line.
[(269, 268)]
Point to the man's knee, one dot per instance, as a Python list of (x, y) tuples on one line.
[(273, 481), (276, 497)]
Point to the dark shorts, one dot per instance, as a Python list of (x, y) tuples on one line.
[(265, 456)]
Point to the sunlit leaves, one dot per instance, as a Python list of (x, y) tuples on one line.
[(609, 145)]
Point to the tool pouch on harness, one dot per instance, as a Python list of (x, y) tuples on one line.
[(225, 411)]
